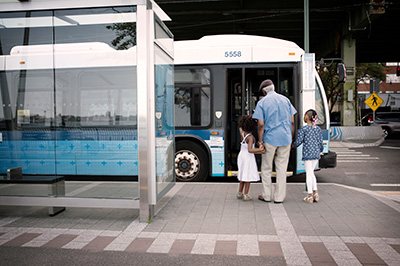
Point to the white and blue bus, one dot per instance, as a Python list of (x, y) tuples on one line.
[(69, 96), (217, 80)]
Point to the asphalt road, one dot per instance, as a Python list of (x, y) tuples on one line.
[(375, 168)]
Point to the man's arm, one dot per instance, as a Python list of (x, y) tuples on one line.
[(260, 129), (292, 126)]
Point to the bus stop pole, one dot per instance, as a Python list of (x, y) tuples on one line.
[(306, 27)]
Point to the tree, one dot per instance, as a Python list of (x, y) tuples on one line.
[(126, 35), (333, 89), (368, 71), (329, 77)]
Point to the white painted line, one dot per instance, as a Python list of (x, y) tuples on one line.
[(349, 152), (359, 158), (385, 185), (339, 251), (353, 161), (292, 249), (247, 245), (205, 244), (389, 147), (163, 243), (353, 155), (354, 173)]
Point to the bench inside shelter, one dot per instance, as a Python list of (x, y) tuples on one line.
[(55, 184)]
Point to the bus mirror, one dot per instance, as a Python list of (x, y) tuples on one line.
[(341, 70)]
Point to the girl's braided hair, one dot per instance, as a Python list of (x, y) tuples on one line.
[(312, 116), (247, 123)]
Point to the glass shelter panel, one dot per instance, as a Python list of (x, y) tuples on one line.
[(27, 94), (69, 99), (164, 112)]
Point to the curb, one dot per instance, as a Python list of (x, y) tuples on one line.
[(345, 144)]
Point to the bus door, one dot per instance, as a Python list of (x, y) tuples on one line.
[(243, 95), (236, 107)]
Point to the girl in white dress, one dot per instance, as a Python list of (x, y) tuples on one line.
[(247, 165)]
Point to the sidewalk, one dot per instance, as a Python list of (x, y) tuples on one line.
[(347, 227)]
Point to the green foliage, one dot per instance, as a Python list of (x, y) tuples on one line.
[(368, 71), (126, 35), (329, 78), (333, 89)]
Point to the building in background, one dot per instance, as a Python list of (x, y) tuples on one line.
[(389, 90)]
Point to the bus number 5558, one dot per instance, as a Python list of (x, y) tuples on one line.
[(233, 54)]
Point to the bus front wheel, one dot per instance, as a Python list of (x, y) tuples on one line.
[(191, 164)]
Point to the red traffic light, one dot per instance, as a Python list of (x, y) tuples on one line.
[(398, 72)]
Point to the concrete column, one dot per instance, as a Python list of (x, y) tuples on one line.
[(348, 112)]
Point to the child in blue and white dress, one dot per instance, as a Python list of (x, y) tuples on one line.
[(247, 166), (310, 136)]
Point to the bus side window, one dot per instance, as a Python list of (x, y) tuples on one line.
[(195, 107)]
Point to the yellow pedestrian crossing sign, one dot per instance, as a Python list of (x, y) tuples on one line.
[(374, 101)]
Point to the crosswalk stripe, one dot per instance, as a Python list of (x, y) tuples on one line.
[(385, 185), (353, 161), (353, 155), (348, 152), (360, 158), (292, 245), (345, 155), (389, 147)]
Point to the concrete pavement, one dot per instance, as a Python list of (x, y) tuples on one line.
[(196, 222)]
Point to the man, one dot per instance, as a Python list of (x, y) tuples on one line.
[(275, 115)]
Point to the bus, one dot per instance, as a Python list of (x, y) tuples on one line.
[(217, 80), (69, 95)]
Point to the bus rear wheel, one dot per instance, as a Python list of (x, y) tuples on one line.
[(191, 164)]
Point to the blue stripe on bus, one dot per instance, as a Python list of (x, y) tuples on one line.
[(70, 135), (204, 134), (39, 153)]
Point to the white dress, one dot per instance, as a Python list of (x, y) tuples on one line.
[(247, 165)]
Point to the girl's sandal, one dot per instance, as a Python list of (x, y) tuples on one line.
[(239, 195), (309, 199), (316, 197), (246, 198)]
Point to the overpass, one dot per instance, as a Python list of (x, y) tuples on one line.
[(370, 23), (358, 31)]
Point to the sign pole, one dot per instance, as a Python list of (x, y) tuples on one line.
[(373, 116)]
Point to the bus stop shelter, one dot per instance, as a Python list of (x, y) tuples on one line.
[(86, 116)]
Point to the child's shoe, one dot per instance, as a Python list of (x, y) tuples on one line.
[(239, 195), (246, 198), (316, 197), (309, 199)]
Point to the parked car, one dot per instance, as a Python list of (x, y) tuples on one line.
[(389, 121)]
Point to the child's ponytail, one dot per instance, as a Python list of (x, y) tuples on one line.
[(312, 116), (314, 120)]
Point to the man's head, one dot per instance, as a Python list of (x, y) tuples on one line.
[(267, 86)]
